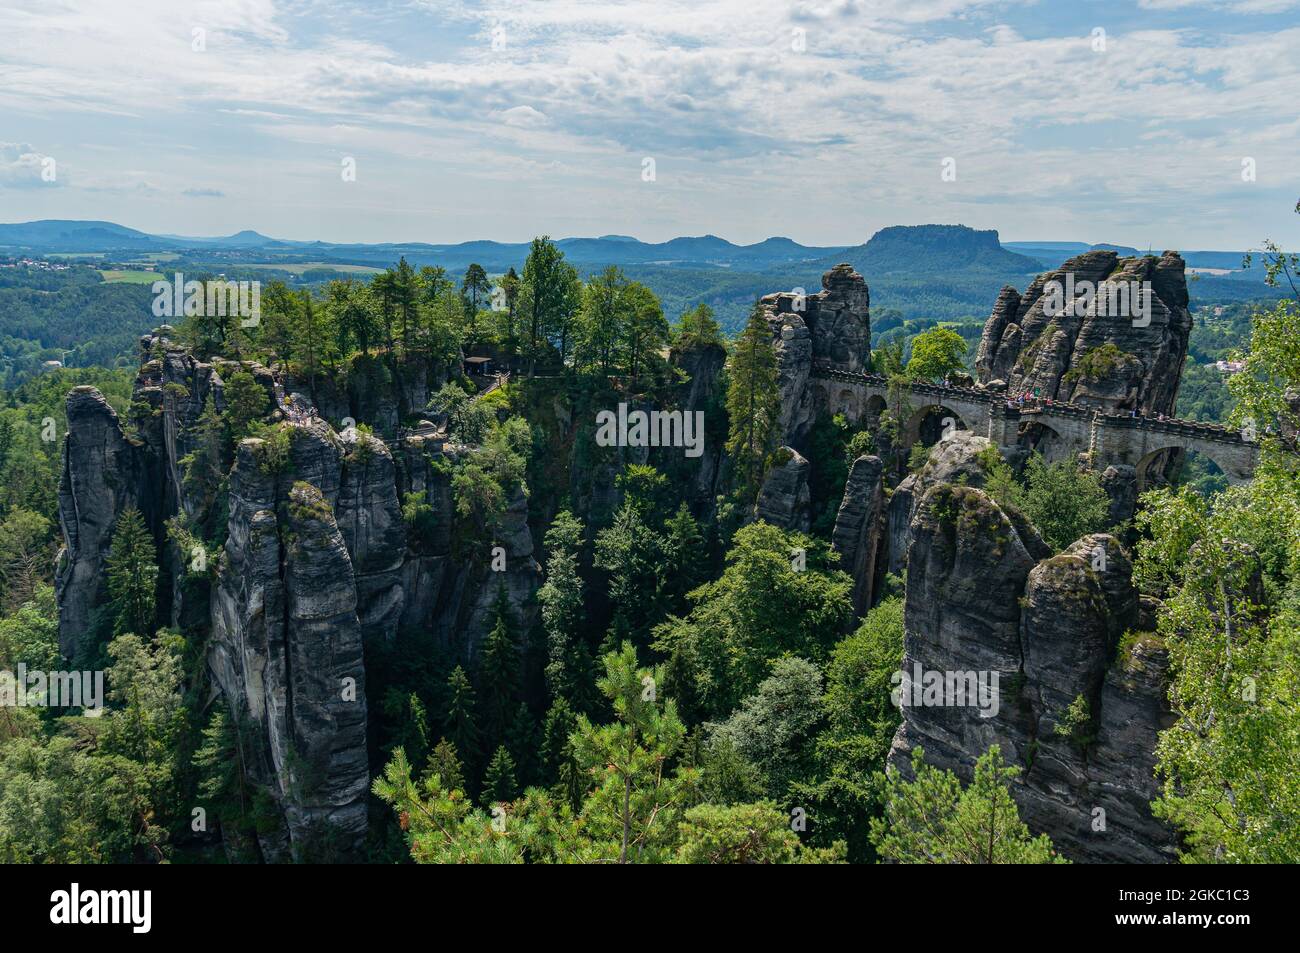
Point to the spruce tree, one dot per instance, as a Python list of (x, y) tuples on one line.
[(500, 674), (132, 576), (568, 674), (560, 767), (753, 403), (443, 764), (683, 551), (521, 740), (462, 729), (499, 779)]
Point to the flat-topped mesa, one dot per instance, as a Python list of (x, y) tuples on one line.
[(1102, 331)]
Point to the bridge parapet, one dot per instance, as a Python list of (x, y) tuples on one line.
[(1196, 429)]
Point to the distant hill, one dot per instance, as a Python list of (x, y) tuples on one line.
[(900, 249), (1054, 254), (71, 235), (49, 237)]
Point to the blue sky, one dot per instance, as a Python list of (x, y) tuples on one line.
[(822, 120)]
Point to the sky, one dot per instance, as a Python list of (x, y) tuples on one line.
[(1151, 123)]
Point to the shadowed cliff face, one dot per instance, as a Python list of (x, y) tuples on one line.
[(1068, 349), (286, 651), (317, 565), (103, 474)]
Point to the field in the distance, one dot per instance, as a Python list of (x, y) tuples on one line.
[(130, 277)]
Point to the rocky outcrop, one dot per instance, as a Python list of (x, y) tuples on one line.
[(832, 326), (784, 499), (318, 564), (286, 652), (702, 391), (954, 459), (1094, 342), (103, 474), (858, 528), (982, 599), (370, 520), (1120, 482)]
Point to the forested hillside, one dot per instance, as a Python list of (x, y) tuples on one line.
[(510, 630)]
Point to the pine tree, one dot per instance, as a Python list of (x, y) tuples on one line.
[(521, 740), (559, 763), (443, 764), (933, 820), (753, 403), (462, 730), (132, 576), (499, 779), (500, 674), (472, 289), (567, 674)]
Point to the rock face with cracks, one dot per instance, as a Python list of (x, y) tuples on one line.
[(317, 566), (1079, 720)]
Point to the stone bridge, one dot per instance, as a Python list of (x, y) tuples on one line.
[(1057, 429)]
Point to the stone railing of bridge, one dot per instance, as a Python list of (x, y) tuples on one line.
[(1073, 428)]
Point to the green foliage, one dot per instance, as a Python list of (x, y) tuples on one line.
[(441, 825), (745, 834), (773, 729), (1228, 570), (24, 555), (1098, 363), (936, 353), (30, 634), (132, 572), (934, 820), (485, 480), (570, 674), (753, 404), (1061, 500), (697, 328), (629, 551), (843, 792), (499, 779), (461, 725), (499, 675), (550, 294), (760, 608), (65, 801), (1077, 724), (421, 519), (246, 404)]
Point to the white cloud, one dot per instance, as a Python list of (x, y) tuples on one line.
[(744, 125), (22, 167)]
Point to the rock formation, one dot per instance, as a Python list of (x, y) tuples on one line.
[(1071, 349), (317, 565), (858, 528), (832, 326), (783, 499), (982, 599), (102, 475)]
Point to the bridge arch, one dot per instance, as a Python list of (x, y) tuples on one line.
[(1220, 456), (1037, 436), (927, 424)]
